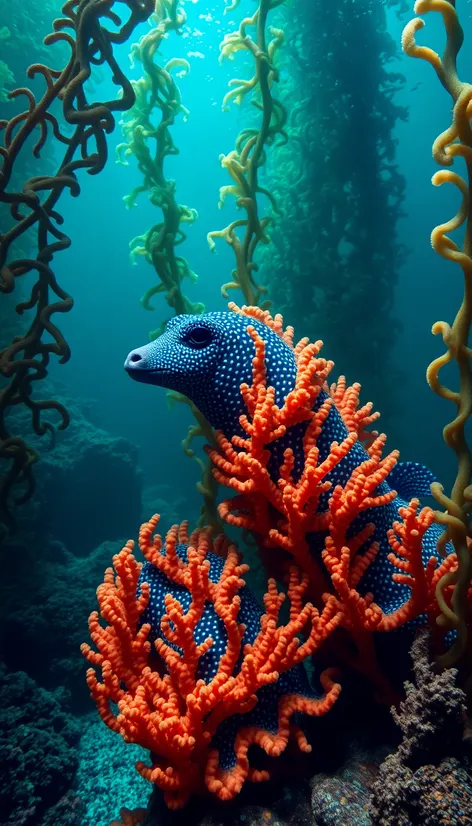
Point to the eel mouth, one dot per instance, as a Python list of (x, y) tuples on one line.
[(137, 366), (143, 376)]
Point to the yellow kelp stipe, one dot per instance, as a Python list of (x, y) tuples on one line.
[(455, 141), (244, 163)]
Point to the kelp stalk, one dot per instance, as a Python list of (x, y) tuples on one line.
[(26, 359), (454, 142), (157, 91), (244, 162)]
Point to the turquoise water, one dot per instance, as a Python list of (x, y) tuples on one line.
[(348, 260)]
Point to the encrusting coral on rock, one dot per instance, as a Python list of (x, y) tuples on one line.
[(428, 779)]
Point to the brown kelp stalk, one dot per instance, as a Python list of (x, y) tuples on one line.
[(157, 92), (455, 141), (244, 162), (94, 29)]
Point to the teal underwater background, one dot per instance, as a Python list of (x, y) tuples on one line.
[(121, 460), (101, 227)]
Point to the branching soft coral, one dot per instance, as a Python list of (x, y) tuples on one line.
[(170, 709), (286, 512), (313, 485)]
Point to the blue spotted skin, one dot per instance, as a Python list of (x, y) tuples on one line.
[(264, 715), (207, 357)]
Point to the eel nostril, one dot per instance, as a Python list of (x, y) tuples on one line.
[(135, 357)]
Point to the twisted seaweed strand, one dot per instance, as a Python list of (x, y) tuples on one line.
[(455, 141), (243, 163), (147, 134), (26, 359)]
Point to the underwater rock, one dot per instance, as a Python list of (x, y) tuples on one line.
[(107, 780), (38, 755), (349, 781), (69, 811), (43, 613), (90, 487), (343, 799), (161, 498), (428, 780), (431, 796), (88, 482), (442, 796), (285, 804)]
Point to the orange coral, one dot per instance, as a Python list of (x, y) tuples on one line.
[(357, 419), (242, 463), (175, 715), (163, 703), (130, 818), (284, 512)]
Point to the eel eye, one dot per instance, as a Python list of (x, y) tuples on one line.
[(199, 337)]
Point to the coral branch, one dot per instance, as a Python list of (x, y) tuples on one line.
[(286, 511), (176, 714)]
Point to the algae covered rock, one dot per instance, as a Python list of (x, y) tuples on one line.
[(90, 487), (428, 779), (88, 481), (38, 755), (44, 613)]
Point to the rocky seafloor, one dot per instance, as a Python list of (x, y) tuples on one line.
[(61, 766)]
